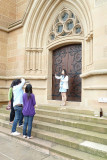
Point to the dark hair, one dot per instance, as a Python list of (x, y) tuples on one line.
[(13, 84), (16, 82), (28, 90), (65, 72)]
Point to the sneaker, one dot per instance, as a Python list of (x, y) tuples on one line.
[(15, 133), (24, 136), (21, 125), (29, 137)]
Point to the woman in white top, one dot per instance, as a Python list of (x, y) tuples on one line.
[(63, 86)]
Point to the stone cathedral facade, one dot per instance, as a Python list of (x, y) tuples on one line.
[(39, 38)]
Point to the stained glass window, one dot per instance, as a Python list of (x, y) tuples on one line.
[(66, 23), (78, 29), (59, 28), (70, 25), (65, 16)]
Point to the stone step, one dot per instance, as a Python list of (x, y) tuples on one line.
[(96, 137), (53, 148), (67, 115), (70, 131), (67, 130), (73, 123), (73, 116), (65, 122), (3, 110), (71, 109), (4, 116), (71, 142), (77, 144)]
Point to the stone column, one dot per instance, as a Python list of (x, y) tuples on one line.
[(37, 60), (27, 61), (34, 60), (40, 61)]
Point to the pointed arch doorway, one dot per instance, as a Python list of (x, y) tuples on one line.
[(70, 58)]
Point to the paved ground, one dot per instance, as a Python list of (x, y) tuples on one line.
[(12, 149)]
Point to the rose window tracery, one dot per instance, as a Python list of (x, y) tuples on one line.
[(66, 23)]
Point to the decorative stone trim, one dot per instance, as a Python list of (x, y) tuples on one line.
[(95, 88), (93, 73), (89, 36), (7, 87), (3, 29), (34, 49), (4, 87), (34, 57), (24, 76)]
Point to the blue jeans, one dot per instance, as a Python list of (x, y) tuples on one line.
[(21, 120), (18, 117), (27, 122)]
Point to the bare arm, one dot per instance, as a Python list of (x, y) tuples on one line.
[(57, 77)]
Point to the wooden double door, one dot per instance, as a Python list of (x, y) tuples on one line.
[(69, 58)]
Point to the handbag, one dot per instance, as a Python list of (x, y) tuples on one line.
[(8, 106)]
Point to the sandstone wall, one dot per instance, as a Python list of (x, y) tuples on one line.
[(95, 84), (15, 53), (3, 52), (21, 6), (7, 12)]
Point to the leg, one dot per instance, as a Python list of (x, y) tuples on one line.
[(25, 125), (30, 120), (65, 97), (21, 119), (18, 111), (12, 114), (62, 97)]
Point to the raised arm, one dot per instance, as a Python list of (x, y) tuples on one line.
[(22, 83), (57, 77)]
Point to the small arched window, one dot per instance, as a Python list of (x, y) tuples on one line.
[(66, 23)]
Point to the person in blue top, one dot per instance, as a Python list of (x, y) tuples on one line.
[(63, 86), (17, 104)]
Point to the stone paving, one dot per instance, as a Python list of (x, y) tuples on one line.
[(11, 149)]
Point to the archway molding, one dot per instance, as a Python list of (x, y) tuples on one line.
[(39, 49), (43, 14)]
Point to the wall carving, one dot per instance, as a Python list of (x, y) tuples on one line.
[(66, 23), (33, 59)]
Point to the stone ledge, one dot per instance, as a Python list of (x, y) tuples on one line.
[(93, 73), (23, 76), (95, 88), (39, 87)]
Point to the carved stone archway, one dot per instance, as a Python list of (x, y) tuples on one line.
[(39, 46)]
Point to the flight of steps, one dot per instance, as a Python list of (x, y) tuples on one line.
[(71, 133)]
